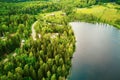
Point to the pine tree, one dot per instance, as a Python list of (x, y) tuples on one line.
[(49, 75), (26, 70), (53, 77)]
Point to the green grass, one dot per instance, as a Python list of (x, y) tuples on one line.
[(108, 13)]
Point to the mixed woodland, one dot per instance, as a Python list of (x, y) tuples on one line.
[(48, 57)]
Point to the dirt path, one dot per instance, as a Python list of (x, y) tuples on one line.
[(33, 36), (33, 30)]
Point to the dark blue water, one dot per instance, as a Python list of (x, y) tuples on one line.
[(97, 55)]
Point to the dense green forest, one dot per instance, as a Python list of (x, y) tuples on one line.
[(47, 54)]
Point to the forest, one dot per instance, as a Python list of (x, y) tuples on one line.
[(47, 54)]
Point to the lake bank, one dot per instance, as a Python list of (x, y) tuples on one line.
[(97, 52)]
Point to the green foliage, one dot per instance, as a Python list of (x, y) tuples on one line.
[(49, 74), (26, 70), (118, 1), (53, 77), (67, 7), (19, 70), (49, 56)]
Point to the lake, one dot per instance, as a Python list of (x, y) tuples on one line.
[(97, 55)]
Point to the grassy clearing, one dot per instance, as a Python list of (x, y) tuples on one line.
[(57, 17), (108, 13)]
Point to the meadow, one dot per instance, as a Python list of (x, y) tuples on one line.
[(107, 13)]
